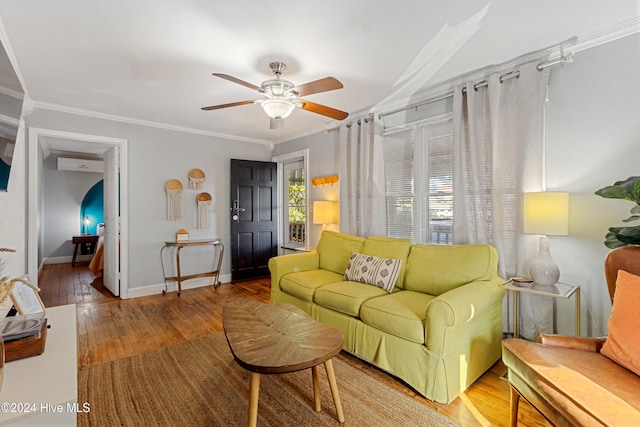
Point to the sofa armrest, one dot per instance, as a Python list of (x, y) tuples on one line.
[(284, 264), (592, 344), (459, 306)]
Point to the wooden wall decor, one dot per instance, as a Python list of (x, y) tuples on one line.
[(196, 179), (204, 203), (324, 180), (173, 187)]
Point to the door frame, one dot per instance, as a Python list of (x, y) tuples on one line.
[(280, 161), (34, 176)]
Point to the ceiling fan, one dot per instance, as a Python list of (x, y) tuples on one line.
[(281, 96)]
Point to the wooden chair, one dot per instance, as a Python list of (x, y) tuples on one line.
[(626, 258)]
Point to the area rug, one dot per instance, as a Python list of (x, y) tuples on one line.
[(197, 383)]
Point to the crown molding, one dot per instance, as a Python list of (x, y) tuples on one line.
[(606, 35), (139, 122)]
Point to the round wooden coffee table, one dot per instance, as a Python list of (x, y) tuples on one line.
[(280, 338)]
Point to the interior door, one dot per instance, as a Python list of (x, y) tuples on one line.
[(111, 226), (254, 222)]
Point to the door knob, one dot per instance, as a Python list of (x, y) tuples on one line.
[(236, 207)]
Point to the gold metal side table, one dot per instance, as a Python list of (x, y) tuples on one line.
[(215, 274), (559, 290)]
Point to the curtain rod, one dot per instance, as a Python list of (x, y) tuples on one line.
[(563, 59), (366, 119)]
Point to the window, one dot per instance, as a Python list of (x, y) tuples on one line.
[(419, 181), (296, 201)]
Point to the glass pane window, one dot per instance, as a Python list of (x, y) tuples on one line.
[(296, 212), (419, 181)]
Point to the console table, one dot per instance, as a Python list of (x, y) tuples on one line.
[(86, 239), (179, 277), (43, 389)]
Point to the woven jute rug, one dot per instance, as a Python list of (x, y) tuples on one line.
[(197, 383)]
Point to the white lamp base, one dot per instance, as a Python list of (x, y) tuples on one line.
[(543, 269)]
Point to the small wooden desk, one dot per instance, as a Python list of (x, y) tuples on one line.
[(179, 277), (85, 239)]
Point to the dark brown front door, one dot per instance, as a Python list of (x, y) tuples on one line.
[(254, 225)]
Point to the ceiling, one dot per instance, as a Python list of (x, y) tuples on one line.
[(151, 62)]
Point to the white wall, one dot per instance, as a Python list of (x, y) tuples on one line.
[(593, 138), (63, 194), (155, 156)]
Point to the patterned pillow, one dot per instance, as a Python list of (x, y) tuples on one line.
[(373, 270)]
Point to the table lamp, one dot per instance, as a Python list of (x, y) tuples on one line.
[(86, 222), (323, 213), (546, 213)]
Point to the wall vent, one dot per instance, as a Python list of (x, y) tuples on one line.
[(80, 165)]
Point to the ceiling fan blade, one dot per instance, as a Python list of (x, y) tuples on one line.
[(322, 85), (323, 110), (237, 80), (233, 104)]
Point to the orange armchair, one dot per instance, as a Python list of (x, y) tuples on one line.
[(567, 379)]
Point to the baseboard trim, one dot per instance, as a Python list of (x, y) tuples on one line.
[(143, 291), (67, 259)]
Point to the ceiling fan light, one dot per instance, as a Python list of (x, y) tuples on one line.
[(278, 108)]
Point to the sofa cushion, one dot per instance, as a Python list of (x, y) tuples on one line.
[(401, 314), (389, 247), (346, 297), (334, 250), (373, 270), (436, 269), (623, 342), (303, 284)]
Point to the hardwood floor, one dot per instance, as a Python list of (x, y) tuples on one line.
[(110, 328)]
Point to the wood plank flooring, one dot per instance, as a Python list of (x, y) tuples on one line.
[(110, 328)]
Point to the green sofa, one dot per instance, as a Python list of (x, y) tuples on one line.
[(439, 329)]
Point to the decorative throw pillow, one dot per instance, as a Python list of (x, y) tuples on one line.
[(373, 270), (623, 342)]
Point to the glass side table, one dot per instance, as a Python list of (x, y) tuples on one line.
[(559, 290)]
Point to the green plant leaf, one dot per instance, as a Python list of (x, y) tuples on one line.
[(629, 189)]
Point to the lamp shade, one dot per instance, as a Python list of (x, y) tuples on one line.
[(278, 108), (546, 213), (322, 212)]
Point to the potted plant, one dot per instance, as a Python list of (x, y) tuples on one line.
[(628, 189)]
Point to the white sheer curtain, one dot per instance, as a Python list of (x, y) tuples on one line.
[(498, 155), (362, 178)]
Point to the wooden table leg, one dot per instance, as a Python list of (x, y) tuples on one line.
[(514, 400), (316, 388), (178, 267), (334, 389), (254, 382), (75, 253)]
